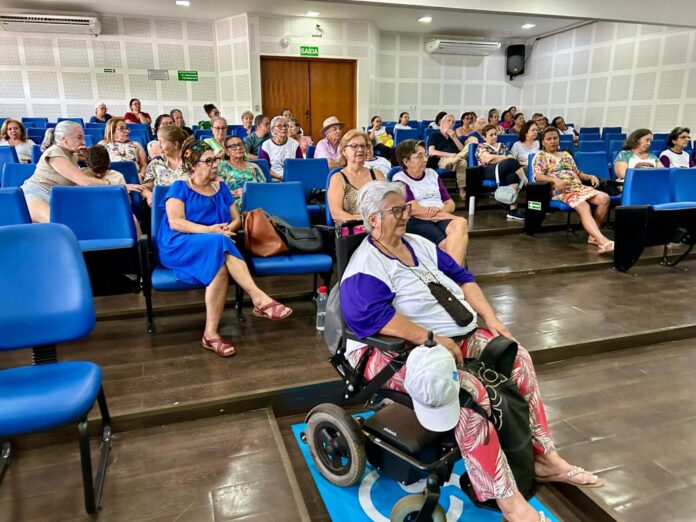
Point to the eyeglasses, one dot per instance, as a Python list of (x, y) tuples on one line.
[(210, 161), (398, 212), (685, 137), (220, 128), (235, 146), (419, 156), (123, 129), (283, 126), (356, 146)]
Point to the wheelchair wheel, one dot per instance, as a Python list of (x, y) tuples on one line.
[(337, 445), (406, 510)]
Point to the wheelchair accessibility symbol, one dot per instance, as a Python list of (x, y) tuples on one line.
[(378, 495)]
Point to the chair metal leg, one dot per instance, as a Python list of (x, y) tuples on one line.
[(147, 284), (93, 488), (5, 458), (314, 284), (238, 299)]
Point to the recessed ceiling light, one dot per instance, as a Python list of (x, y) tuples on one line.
[(528, 26), (425, 19), (312, 13), (183, 3)]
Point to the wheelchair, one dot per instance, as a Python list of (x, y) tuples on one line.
[(391, 440)]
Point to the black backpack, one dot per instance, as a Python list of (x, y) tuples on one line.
[(509, 415)]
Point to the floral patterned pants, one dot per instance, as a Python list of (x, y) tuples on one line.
[(478, 441)]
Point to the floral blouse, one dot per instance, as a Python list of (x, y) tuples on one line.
[(499, 149), (235, 178), (127, 151), (159, 172)]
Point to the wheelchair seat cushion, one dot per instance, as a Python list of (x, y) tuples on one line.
[(37, 398)]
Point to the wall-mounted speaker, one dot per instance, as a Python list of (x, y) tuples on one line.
[(515, 55)]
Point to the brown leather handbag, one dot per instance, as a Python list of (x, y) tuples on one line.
[(260, 236)]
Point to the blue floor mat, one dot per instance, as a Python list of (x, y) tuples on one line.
[(373, 498)]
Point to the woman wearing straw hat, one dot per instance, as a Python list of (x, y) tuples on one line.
[(328, 147)]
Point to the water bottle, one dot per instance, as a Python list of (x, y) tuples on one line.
[(321, 299), (472, 205)]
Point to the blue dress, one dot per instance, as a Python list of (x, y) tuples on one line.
[(196, 258)]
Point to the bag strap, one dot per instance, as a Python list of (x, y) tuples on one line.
[(372, 174), (383, 376), (500, 353)]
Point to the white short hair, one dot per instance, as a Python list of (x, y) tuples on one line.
[(372, 194), (275, 120)]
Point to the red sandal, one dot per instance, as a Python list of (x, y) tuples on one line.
[(268, 311), (220, 346)]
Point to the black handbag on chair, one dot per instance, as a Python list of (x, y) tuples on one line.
[(299, 239)]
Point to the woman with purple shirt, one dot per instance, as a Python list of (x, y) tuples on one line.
[(431, 205)]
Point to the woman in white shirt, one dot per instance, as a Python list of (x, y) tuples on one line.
[(676, 155), (404, 118), (12, 133), (438, 118), (279, 147), (527, 143)]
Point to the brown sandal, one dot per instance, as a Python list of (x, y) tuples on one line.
[(268, 311), (220, 346)]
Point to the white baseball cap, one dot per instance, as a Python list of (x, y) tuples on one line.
[(432, 382)]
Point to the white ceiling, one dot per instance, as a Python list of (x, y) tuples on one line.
[(393, 19)]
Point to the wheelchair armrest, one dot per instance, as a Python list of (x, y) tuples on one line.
[(385, 343)]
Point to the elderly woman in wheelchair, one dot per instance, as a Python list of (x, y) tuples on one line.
[(402, 285)]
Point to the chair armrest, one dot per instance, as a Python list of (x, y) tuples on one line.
[(385, 343)]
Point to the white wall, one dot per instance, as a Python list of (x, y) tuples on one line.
[(234, 68), (63, 75), (409, 79), (615, 74)]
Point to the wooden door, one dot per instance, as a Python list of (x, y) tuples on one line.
[(313, 89), (285, 85), (332, 85)]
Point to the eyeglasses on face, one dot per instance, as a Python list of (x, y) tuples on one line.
[(123, 129), (419, 156), (282, 126), (210, 161), (398, 212), (235, 146), (220, 128), (356, 146)]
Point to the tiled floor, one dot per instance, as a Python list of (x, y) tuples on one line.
[(224, 468)]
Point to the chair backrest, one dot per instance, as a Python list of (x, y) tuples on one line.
[(312, 173), (682, 184), (141, 139), (13, 207), (592, 146), (97, 133), (508, 139), (51, 304), (38, 122), (36, 135), (566, 142), (590, 137), (327, 211), (660, 136), (14, 174), (101, 126), (76, 120), (202, 134), (310, 151), (129, 170), (89, 140), (589, 130), (405, 134), (473, 162), (530, 171), (657, 146), (265, 168), (285, 200), (610, 130), (594, 163), (8, 154), (613, 136), (427, 131), (392, 171), (36, 153), (101, 212), (345, 247), (646, 187)]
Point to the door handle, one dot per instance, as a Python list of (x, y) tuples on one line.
[(306, 113)]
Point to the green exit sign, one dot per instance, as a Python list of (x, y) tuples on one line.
[(309, 50), (187, 76)]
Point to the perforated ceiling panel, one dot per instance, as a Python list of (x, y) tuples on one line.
[(139, 55), (577, 91), (222, 29), (408, 67), (171, 56), (494, 95), (639, 116), (239, 26), (137, 27), (473, 95), (241, 83), (204, 90), (241, 56), (604, 31), (357, 32), (600, 59), (271, 26), (644, 86), (453, 67), (623, 56), (598, 90), (558, 92), (107, 54), (452, 95), (110, 87), (202, 58), (9, 51), (78, 86), (408, 93), (109, 25), (561, 65), (142, 88), (73, 53), (356, 51), (387, 42), (225, 57), (200, 31), (648, 52), (620, 88), (174, 90), (169, 29), (675, 49), (581, 62), (38, 51), (12, 85), (626, 30), (430, 94), (671, 83), (43, 84), (541, 95), (665, 117)]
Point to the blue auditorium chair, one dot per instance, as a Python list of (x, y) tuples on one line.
[(35, 122), (660, 136), (508, 139), (590, 137), (203, 134), (36, 135), (613, 136), (610, 130), (96, 125), (405, 134), (592, 146), (657, 146), (76, 120), (130, 174), (312, 174), (566, 142), (8, 154), (14, 174), (36, 153), (682, 184), (39, 309), (646, 187), (594, 163), (89, 140), (392, 172), (138, 126), (589, 130), (97, 133), (287, 201), (310, 151), (141, 139), (473, 162), (156, 276), (13, 207), (2, 120), (426, 134), (100, 217), (232, 129), (265, 168)]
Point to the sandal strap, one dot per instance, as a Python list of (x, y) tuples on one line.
[(542, 517), (575, 471), (221, 345), (271, 304)]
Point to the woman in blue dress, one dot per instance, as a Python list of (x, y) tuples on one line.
[(195, 241)]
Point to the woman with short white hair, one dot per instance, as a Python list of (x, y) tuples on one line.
[(385, 289), (57, 166), (279, 147), (100, 114)]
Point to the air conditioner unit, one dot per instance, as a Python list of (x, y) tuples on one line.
[(471, 47), (40, 22)]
